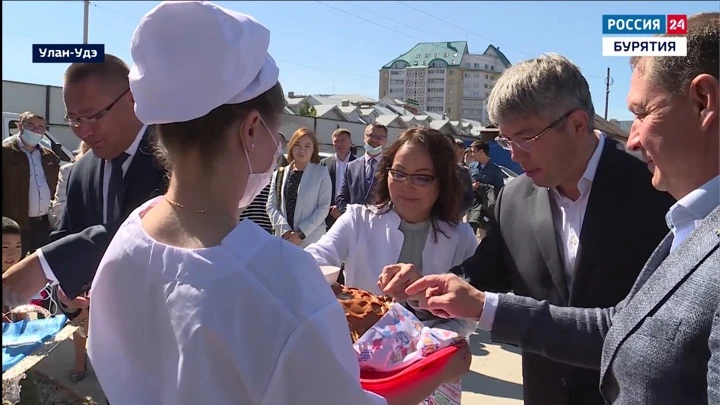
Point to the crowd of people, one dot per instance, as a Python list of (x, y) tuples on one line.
[(196, 230)]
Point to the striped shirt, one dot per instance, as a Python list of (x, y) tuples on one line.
[(257, 212)]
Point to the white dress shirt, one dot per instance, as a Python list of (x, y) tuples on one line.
[(688, 212), (250, 321), (568, 217), (131, 150), (39, 191), (340, 166)]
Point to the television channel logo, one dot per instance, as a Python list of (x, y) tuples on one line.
[(636, 35), (68, 53)]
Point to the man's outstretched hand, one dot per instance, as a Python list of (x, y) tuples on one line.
[(22, 281), (447, 296)]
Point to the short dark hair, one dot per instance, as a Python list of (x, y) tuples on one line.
[(183, 136), (442, 153), (480, 144), (341, 131), (10, 227), (113, 72), (674, 73)]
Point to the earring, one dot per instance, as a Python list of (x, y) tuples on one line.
[(252, 146)]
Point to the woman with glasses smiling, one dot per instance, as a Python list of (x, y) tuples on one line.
[(413, 220)]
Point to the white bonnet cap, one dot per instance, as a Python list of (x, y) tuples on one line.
[(190, 57)]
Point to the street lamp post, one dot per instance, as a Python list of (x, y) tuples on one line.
[(85, 22)]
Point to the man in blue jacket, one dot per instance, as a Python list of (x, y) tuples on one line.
[(487, 181)]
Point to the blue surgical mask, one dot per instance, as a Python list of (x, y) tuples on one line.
[(31, 138), (373, 150)]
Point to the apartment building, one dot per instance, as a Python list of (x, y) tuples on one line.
[(444, 78)]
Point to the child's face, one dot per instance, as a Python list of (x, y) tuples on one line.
[(11, 250)]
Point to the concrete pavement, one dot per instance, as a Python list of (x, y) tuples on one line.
[(494, 379)]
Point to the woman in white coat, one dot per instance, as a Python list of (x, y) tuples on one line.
[(299, 199), (413, 220), (214, 311)]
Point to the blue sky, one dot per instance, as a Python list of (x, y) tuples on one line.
[(338, 47)]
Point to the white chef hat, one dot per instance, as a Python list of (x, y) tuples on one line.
[(190, 57)]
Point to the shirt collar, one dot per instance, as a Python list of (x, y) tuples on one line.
[(376, 158), (589, 175), (132, 149), (347, 158), (695, 206)]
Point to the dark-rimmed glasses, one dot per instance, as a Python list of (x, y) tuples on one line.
[(416, 179), (76, 122), (525, 144)]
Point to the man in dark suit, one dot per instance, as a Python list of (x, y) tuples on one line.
[(661, 344), (336, 164), (29, 179), (117, 175), (357, 184), (576, 228)]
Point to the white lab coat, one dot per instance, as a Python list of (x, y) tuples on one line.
[(367, 241), (251, 321)]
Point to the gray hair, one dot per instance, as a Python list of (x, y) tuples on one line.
[(548, 86)]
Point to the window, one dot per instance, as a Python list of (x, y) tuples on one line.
[(451, 81), (476, 85), (476, 75), (487, 94), (487, 76), (492, 67), (452, 72), (446, 55), (476, 65), (427, 55), (486, 86), (486, 66), (467, 75), (449, 110), (415, 63)]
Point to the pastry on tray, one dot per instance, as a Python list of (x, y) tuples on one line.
[(362, 309)]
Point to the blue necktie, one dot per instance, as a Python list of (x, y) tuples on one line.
[(115, 186), (370, 173)]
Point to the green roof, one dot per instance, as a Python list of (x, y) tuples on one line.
[(450, 52), (426, 52), (499, 54)]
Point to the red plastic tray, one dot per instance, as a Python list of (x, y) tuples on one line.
[(383, 382)]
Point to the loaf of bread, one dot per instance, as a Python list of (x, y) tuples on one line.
[(362, 309)]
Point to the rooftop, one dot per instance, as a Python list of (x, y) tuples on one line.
[(422, 54)]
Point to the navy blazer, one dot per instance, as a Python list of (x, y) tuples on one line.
[(330, 163), (353, 189), (80, 242)]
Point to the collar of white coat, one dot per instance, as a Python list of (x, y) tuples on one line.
[(393, 220), (695, 206), (585, 182)]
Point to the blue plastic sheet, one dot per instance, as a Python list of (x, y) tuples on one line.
[(22, 338)]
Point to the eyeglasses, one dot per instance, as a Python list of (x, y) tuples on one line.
[(76, 122), (526, 144), (416, 179)]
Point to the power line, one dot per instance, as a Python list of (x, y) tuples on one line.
[(370, 21), (390, 19)]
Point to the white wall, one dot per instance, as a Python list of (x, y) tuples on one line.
[(324, 128), (20, 97)]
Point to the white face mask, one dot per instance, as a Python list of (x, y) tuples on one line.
[(373, 150), (31, 138), (256, 182)]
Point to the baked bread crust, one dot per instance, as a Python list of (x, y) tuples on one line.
[(362, 309)]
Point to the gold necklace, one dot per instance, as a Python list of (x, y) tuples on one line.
[(197, 211)]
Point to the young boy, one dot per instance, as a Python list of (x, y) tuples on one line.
[(11, 244)]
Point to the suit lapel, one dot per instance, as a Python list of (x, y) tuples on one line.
[(331, 170), (544, 231), (98, 183), (596, 231), (142, 164), (663, 272)]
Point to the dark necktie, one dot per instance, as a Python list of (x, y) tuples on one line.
[(370, 172), (115, 186)]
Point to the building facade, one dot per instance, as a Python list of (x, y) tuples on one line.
[(444, 78)]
